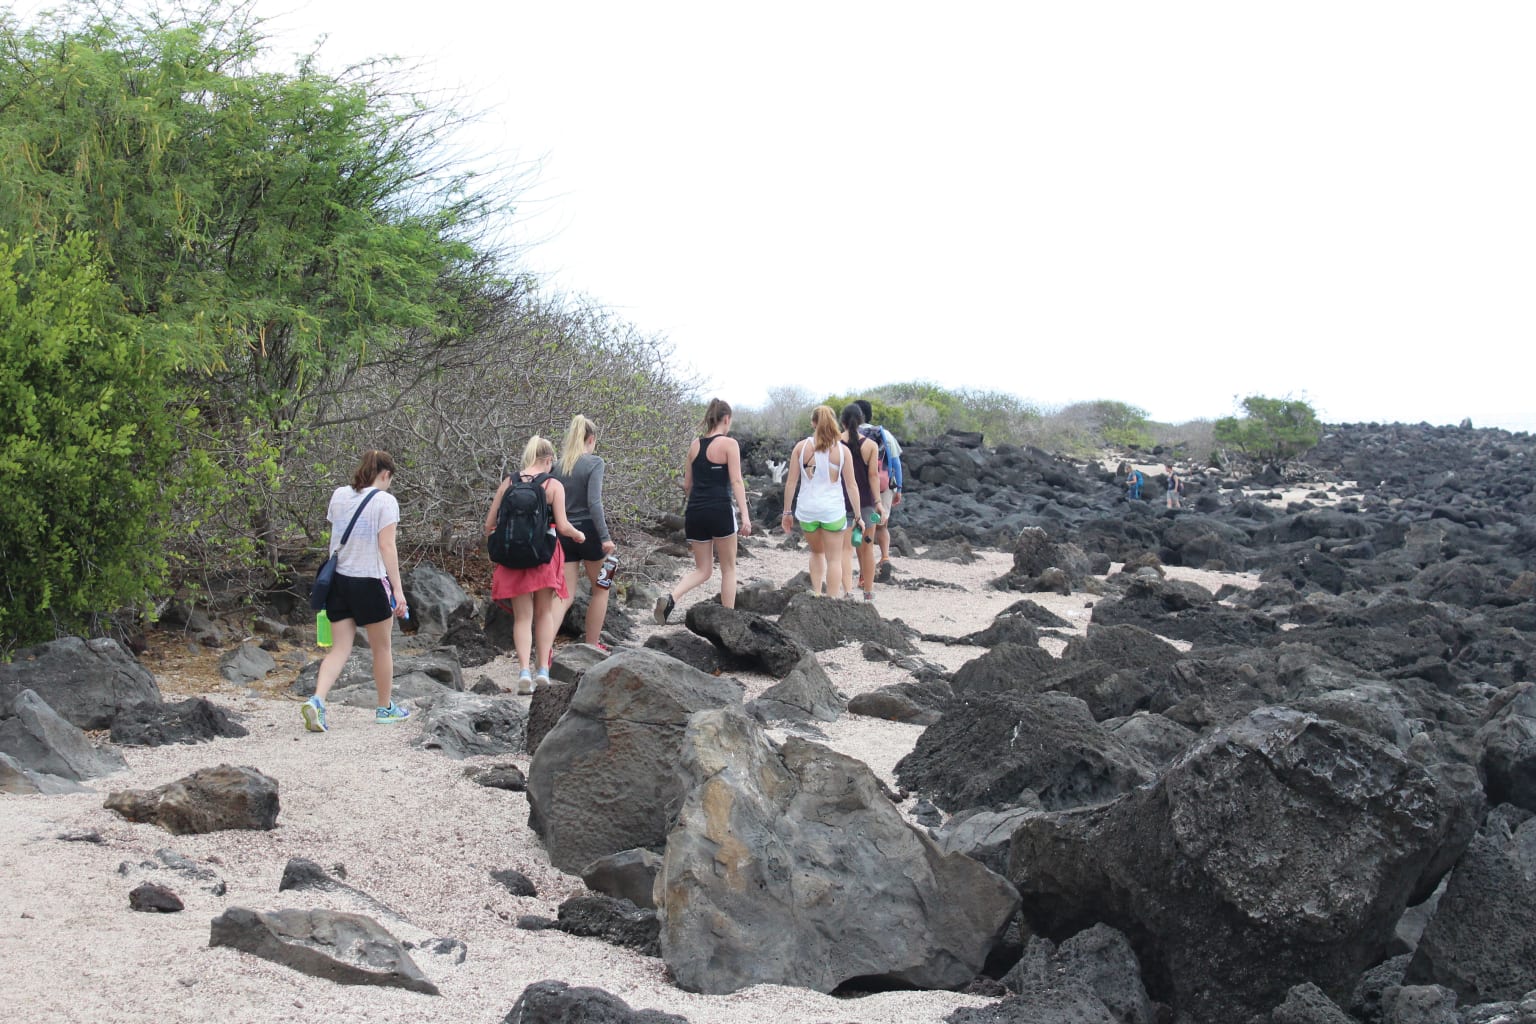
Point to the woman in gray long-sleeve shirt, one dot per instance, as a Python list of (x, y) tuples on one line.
[(581, 472)]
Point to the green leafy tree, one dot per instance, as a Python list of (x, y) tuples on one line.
[(283, 231), (89, 426), (1271, 430), (889, 415)]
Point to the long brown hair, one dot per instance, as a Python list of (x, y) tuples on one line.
[(374, 462), (718, 410)]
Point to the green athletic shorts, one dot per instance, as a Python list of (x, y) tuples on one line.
[(837, 527)]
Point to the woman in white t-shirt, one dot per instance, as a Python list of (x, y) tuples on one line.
[(366, 589)]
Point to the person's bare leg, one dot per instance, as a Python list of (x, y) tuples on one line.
[(867, 566), (703, 567), (597, 605), (562, 605), (832, 543), (380, 635), (522, 629), (725, 550), (342, 635), (543, 626), (818, 561), (848, 561)]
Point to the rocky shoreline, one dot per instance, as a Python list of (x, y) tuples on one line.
[(1271, 757)]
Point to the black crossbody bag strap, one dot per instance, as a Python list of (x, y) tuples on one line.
[(346, 535)]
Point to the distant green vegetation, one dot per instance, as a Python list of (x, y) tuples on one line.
[(918, 410), (1271, 430)]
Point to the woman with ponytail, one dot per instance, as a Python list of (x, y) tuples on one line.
[(827, 469), (712, 478), (366, 590), (529, 594), (580, 472)]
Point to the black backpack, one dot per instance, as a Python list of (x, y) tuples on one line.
[(522, 538)]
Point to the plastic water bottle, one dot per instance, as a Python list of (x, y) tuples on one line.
[(605, 574), (322, 629), (858, 536)]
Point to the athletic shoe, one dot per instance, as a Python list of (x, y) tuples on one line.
[(603, 647), (524, 683), (664, 606), (869, 595), (391, 714), (541, 678), (313, 711)]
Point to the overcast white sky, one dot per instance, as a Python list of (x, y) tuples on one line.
[(1172, 204)]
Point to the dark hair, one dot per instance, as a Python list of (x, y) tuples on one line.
[(853, 419), (864, 407), (718, 410), (374, 462)]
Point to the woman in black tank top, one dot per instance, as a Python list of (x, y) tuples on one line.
[(712, 478)]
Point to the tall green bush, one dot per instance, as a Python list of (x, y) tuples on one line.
[(1271, 430), (89, 427)]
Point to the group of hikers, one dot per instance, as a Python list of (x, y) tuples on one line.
[(1135, 480), (844, 480), (545, 526)]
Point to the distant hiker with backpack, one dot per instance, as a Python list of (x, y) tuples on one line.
[(1135, 479), (712, 479), (1175, 486), (865, 470), (521, 530), (581, 474), (366, 589), (889, 473)]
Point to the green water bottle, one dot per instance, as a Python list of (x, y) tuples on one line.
[(858, 536), (322, 629)]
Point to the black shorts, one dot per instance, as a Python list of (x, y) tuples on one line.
[(359, 598), (706, 524), (589, 550)]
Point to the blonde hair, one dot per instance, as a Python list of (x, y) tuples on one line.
[(828, 432), (537, 449), (577, 435)]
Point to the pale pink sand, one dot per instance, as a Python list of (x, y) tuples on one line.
[(413, 832)]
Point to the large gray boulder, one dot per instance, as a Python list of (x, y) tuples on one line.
[(42, 741), (999, 750), (349, 949), (805, 695), (603, 779), (1481, 941), (415, 675), (247, 663), (437, 600), (1279, 850), (208, 800), (555, 1002), (1096, 966), (85, 681), (746, 640), (193, 720), (787, 865), (464, 725), (1507, 748), (822, 623), (22, 781)]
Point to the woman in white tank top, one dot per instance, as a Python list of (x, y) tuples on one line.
[(816, 473)]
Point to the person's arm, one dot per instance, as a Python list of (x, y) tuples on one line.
[(392, 568), (554, 490), (595, 504), (490, 515), (870, 453), (850, 488), (738, 485), (893, 462), (693, 453), (791, 485)]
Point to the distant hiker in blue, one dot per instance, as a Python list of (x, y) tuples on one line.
[(1134, 478)]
